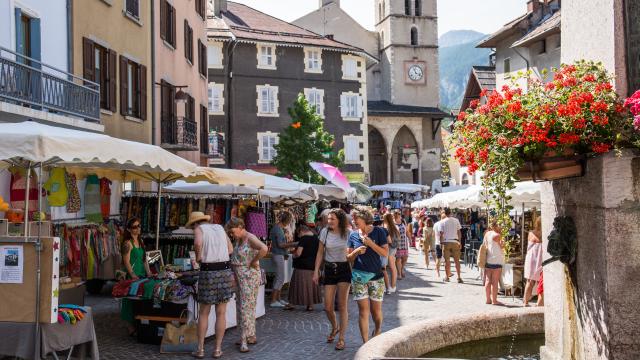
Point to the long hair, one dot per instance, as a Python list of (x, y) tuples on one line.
[(343, 221), (390, 224), (126, 235)]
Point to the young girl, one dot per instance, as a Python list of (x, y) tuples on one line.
[(495, 261)]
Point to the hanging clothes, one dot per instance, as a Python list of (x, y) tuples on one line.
[(92, 211), (18, 191), (56, 187), (105, 197), (73, 199)]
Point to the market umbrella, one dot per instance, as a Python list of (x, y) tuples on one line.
[(363, 193), (332, 174)]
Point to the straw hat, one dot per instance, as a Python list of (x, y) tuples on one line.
[(197, 216)]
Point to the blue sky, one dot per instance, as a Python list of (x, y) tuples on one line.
[(485, 16)]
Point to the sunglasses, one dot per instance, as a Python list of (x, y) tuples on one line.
[(135, 227)]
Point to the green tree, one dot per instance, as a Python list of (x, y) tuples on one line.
[(304, 141)]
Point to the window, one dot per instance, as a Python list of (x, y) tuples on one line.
[(418, 8), (167, 113), (351, 149), (99, 65), (188, 42), (268, 100), (543, 46), (168, 23), (315, 97), (313, 60), (216, 145), (414, 36), (349, 68), (266, 147), (216, 99), (190, 108), (266, 57), (407, 7), (383, 9), (204, 130), (507, 67), (201, 8), (133, 89), (351, 106), (214, 55), (132, 8), (380, 12), (202, 58)]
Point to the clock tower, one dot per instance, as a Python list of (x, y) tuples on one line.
[(408, 51)]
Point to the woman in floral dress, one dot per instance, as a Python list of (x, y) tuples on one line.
[(245, 260)]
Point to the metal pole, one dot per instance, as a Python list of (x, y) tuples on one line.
[(26, 203), (158, 216), (522, 242)]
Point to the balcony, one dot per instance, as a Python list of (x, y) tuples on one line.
[(178, 133), (31, 84)]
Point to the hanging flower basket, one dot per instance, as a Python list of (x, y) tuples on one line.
[(553, 168)]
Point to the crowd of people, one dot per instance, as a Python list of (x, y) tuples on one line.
[(363, 253)]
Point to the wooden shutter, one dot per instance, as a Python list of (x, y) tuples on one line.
[(111, 76), (186, 39), (359, 106), (124, 86), (192, 108), (89, 61), (163, 20), (143, 92), (344, 106), (173, 27)]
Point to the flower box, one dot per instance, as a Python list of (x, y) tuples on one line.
[(553, 168)]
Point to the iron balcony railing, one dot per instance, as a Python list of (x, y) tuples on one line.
[(178, 133), (31, 83)]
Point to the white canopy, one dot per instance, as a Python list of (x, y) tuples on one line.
[(332, 192), (405, 188), (527, 193)]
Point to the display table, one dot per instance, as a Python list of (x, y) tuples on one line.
[(18, 338), (269, 267), (231, 312)]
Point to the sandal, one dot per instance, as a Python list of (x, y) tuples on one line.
[(340, 345), (198, 354), (244, 348), (217, 354), (333, 334), (250, 341), (309, 308)]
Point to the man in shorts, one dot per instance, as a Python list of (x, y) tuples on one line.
[(450, 236), (436, 231)]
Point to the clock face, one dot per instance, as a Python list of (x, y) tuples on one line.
[(415, 73)]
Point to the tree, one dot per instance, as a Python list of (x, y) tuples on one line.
[(304, 141)]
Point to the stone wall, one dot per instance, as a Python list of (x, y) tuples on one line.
[(591, 307)]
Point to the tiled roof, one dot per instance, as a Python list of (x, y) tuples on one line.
[(486, 76), (386, 108), (248, 24), (547, 27)]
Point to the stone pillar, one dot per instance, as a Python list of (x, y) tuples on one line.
[(389, 164), (591, 307)]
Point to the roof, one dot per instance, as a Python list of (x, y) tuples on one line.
[(386, 108), (506, 31), (486, 76), (549, 26), (250, 25)]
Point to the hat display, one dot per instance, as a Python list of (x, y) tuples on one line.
[(197, 216)]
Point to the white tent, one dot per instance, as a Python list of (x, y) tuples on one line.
[(404, 188), (525, 193)]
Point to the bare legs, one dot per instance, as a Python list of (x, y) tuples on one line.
[(400, 264), (386, 278), (330, 292), (365, 308), (491, 284), (203, 324), (221, 324), (394, 271), (528, 290)]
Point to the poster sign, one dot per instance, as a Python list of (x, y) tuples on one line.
[(11, 264)]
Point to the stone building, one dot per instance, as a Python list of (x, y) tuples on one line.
[(404, 142), (257, 66)]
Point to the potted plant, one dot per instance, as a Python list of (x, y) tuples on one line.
[(544, 133)]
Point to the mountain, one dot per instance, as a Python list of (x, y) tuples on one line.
[(458, 53)]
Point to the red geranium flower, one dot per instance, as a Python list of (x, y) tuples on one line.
[(600, 148)]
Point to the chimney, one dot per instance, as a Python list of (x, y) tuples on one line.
[(533, 6), (329, 36), (324, 3), (219, 6)]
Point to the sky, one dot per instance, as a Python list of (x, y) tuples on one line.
[(485, 16)]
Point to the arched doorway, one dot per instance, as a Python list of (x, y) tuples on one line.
[(377, 157), (465, 179), (405, 157)]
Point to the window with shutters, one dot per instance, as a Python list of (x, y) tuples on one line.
[(266, 147), (204, 130), (407, 7), (201, 8), (506, 68), (168, 23), (214, 55), (188, 42), (99, 65), (202, 58), (315, 98), (133, 89), (216, 99), (349, 68), (351, 106), (266, 56), (351, 149), (267, 100), (313, 60), (132, 8), (414, 36), (168, 132), (190, 108), (418, 7)]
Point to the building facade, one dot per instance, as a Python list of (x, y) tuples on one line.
[(404, 142), (111, 46), (258, 65), (35, 67), (180, 78)]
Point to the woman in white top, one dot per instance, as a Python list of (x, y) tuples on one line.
[(332, 251), (215, 280), (533, 261), (495, 261)]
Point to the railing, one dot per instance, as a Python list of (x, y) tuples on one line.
[(178, 133), (28, 82)]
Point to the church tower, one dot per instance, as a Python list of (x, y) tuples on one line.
[(408, 51)]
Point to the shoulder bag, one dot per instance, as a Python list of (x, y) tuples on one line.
[(324, 254), (179, 338), (482, 255)]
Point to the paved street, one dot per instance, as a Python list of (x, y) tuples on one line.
[(300, 334)]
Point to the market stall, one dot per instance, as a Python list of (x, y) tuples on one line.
[(397, 195)]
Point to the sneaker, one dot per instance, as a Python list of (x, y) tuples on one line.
[(276, 304), (388, 291), (283, 302), (392, 290)]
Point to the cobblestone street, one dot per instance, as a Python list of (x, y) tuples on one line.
[(301, 335)]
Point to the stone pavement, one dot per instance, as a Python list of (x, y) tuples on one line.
[(300, 334)]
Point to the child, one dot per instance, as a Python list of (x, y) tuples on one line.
[(495, 261)]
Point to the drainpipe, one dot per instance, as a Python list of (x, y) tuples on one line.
[(232, 47), (70, 37), (153, 75), (526, 61)]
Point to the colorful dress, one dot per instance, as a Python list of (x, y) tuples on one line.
[(248, 280), (403, 243), (136, 258)]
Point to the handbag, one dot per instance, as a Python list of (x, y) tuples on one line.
[(361, 277), (179, 339), (482, 255)]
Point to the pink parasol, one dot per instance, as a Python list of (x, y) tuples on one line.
[(332, 174)]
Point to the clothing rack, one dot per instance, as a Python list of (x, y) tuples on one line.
[(81, 219)]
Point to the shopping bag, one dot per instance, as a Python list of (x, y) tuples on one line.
[(361, 277), (180, 338), (482, 255)]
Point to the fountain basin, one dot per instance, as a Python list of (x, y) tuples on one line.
[(412, 341)]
